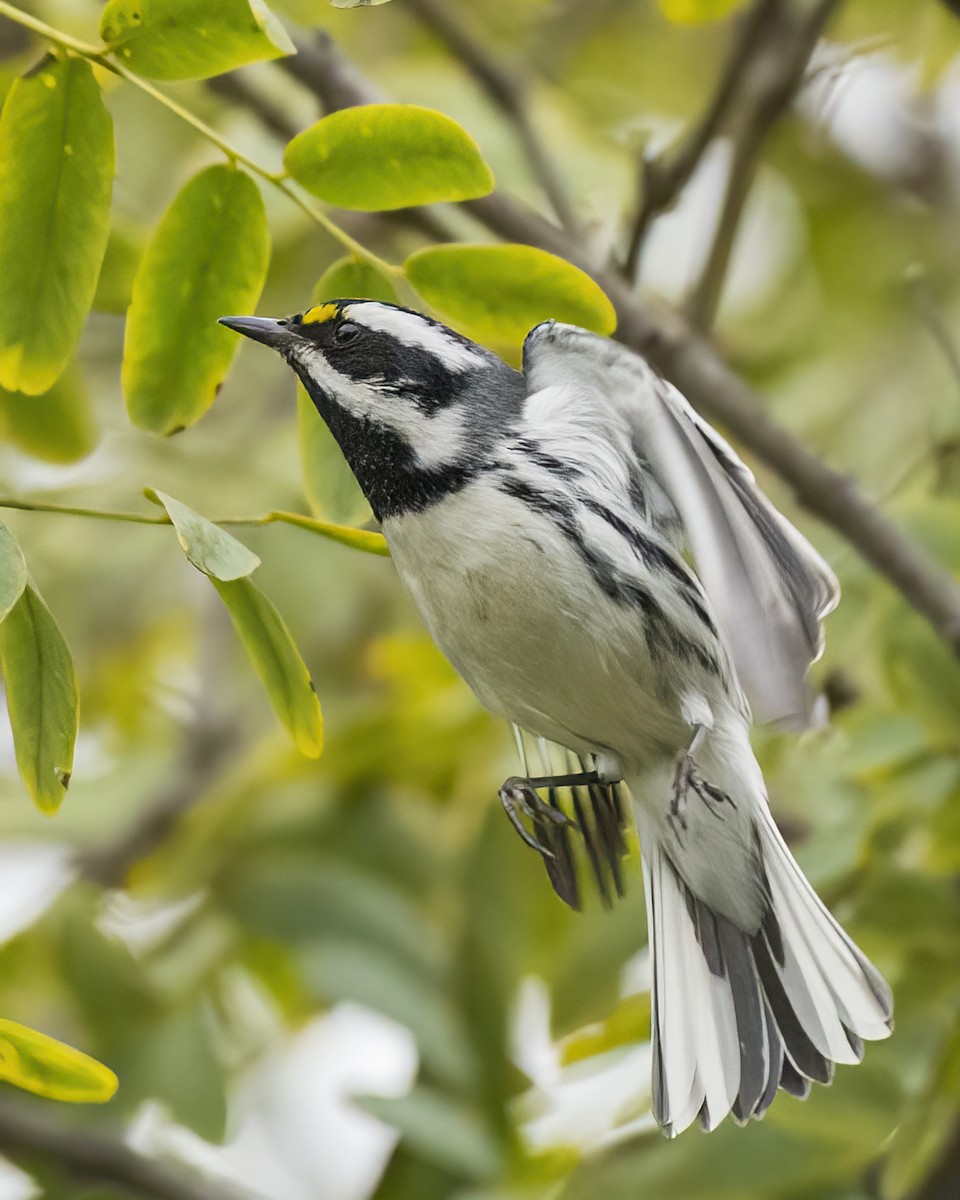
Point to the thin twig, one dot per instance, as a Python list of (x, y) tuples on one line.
[(209, 743), (772, 75), (663, 176), (360, 539), (509, 92), (28, 1134)]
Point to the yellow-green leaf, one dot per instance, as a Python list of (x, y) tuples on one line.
[(328, 483), (56, 176), (191, 39), (13, 571), (57, 427), (498, 293), (120, 262), (208, 256), (357, 539), (381, 156), (41, 698), (696, 12), (351, 278), (211, 549), (41, 1064), (277, 661)]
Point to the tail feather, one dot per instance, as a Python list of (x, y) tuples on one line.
[(737, 1014)]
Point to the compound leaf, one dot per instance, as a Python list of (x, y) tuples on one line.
[(211, 549), (42, 1065), (57, 427), (277, 661), (56, 176), (375, 157), (41, 698), (208, 256), (351, 278), (498, 293), (13, 571), (191, 39)]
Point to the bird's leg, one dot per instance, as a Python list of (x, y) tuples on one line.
[(687, 779), (519, 799)]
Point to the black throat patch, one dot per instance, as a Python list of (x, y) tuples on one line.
[(384, 463)]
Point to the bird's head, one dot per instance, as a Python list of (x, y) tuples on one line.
[(413, 404)]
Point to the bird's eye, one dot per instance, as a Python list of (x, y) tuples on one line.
[(346, 333)]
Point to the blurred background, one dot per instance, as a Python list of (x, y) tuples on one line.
[(348, 978)]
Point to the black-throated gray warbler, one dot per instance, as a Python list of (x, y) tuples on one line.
[(544, 523)]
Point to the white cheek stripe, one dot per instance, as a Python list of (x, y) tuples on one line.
[(435, 439), (414, 330)]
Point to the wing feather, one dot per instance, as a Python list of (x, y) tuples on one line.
[(768, 587)]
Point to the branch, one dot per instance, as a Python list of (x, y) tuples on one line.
[(690, 362), (508, 91), (664, 176), (98, 1159), (209, 743), (772, 74)]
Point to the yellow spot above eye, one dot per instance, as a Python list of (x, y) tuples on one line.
[(320, 313)]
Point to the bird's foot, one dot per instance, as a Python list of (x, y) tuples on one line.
[(520, 799), (687, 779)]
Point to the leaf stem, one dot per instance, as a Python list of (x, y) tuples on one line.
[(359, 539), (70, 510), (101, 57)]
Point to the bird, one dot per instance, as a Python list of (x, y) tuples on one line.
[(603, 570)]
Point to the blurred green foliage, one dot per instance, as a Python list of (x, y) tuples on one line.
[(270, 888)]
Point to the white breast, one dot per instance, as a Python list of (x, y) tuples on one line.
[(512, 605)]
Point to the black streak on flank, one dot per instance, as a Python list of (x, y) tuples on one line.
[(661, 633), (656, 557)]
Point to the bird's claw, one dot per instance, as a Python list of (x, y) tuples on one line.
[(687, 779), (520, 799)]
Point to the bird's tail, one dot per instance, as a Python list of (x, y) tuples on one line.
[(738, 1014)]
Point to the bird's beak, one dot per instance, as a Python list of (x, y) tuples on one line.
[(262, 329)]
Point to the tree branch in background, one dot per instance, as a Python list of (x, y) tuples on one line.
[(690, 362), (508, 91), (772, 74), (207, 745), (92, 1158), (663, 177)]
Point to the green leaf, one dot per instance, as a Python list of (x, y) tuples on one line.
[(41, 698), (696, 12), (440, 1130), (357, 539), (211, 549), (57, 427), (381, 156), (208, 256), (329, 484), (56, 176), (191, 39), (277, 661), (498, 293), (351, 278), (124, 251), (41, 1064), (13, 571)]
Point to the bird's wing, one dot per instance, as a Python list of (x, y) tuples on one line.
[(768, 587)]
